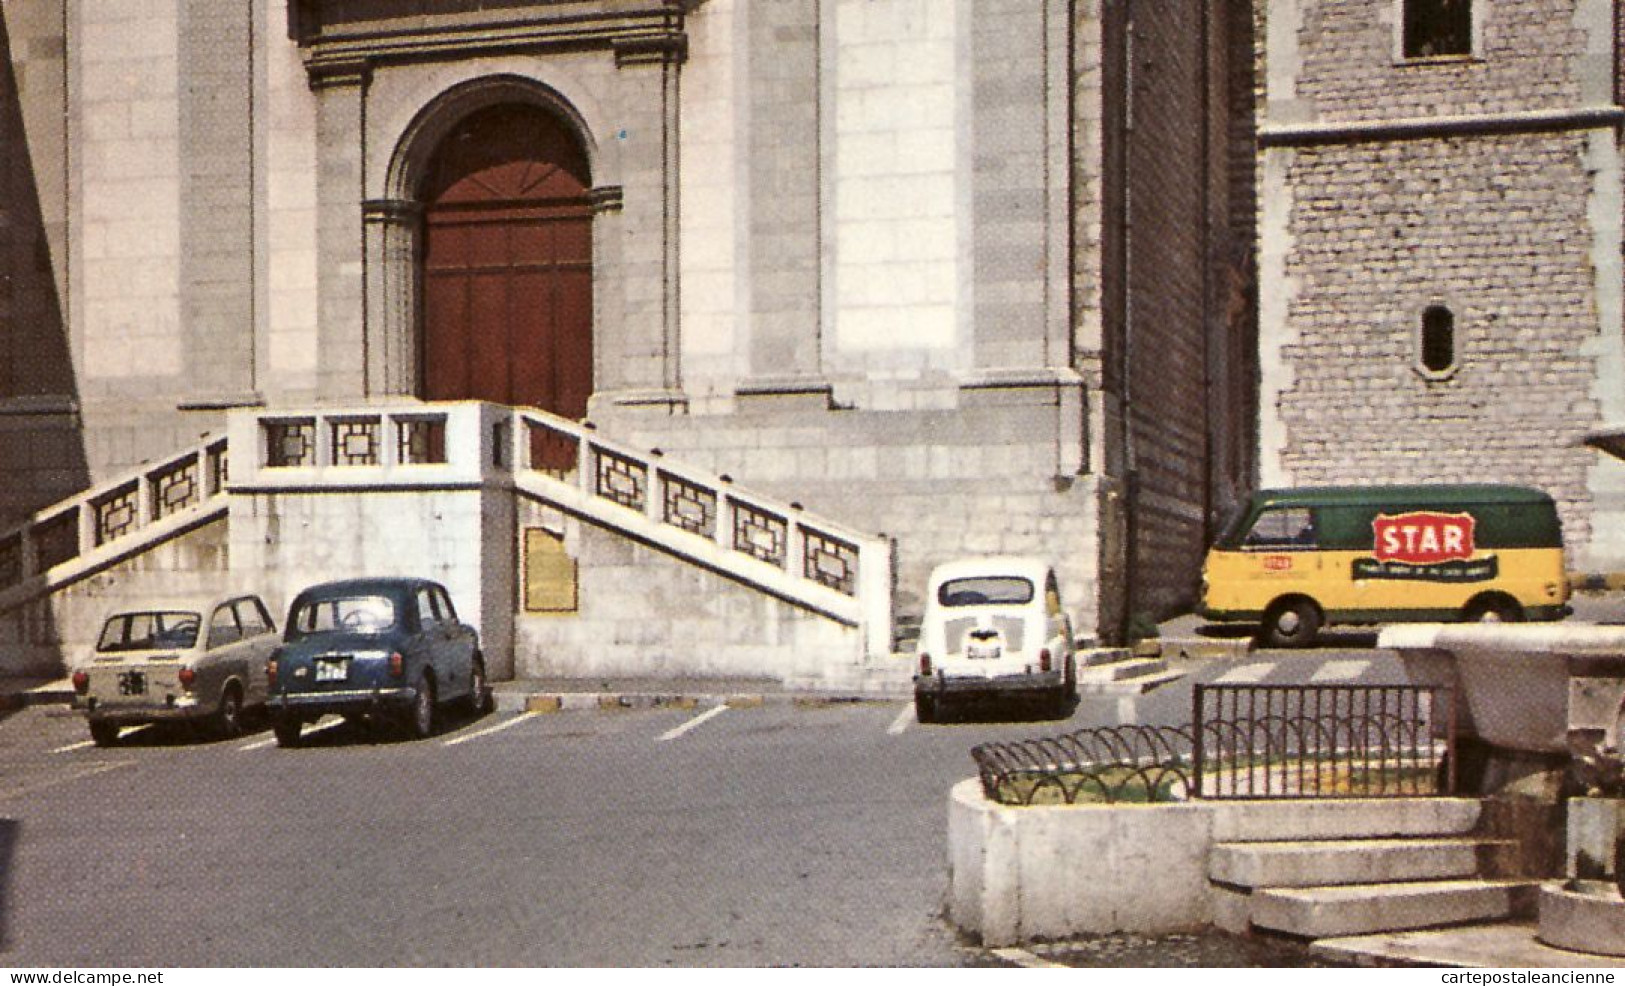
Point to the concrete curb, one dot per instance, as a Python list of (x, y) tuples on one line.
[(548, 702), (20, 693), (1597, 581)]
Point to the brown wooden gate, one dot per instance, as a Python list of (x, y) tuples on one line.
[(507, 268)]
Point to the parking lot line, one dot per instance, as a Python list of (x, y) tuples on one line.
[(1340, 671), (1246, 674), (323, 725), (499, 727), (127, 731), (904, 718), (1026, 959), (703, 717)]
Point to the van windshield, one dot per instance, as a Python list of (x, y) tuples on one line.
[(991, 590)]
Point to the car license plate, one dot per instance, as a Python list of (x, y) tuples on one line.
[(988, 653), (132, 683), (334, 669)]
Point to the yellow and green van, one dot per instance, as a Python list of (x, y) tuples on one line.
[(1294, 560)]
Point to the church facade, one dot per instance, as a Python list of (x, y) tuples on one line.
[(974, 275)]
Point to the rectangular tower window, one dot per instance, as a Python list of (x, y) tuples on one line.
[(1438, 27)]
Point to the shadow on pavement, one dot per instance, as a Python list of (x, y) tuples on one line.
[(9, 828)]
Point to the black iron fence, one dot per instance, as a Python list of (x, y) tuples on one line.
[(1322, 741), (1245, 741)]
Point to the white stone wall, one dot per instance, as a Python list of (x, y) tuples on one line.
[(459, 538), (642, 612), (714, 206), (896, 203), (289, 139), (126, 146)]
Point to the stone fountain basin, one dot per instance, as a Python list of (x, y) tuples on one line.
[(1583, 916), (1514, 679)]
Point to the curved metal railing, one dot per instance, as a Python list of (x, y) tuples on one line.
[(1246, 741), (1109, 763)]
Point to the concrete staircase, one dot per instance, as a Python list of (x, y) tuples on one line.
[(1368, 866), (1117, 671)]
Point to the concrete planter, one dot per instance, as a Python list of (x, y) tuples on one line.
[(1047, 872)]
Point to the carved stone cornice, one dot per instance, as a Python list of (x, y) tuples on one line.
[(605, 198), (659, 49), (338, 73), (400, 212), (636, 32)]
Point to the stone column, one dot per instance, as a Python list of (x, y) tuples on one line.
[(393, 234), (641, 355), (340, 88)]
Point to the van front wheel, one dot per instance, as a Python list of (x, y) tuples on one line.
[(1290, 623), (1493, 609)]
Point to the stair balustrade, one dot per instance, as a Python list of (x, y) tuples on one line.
[(774, 546), (112, 521)]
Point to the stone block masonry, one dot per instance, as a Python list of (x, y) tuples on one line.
[(1494, 229)]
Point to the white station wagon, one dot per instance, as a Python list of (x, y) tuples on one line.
[(994, 627), (193, 661)]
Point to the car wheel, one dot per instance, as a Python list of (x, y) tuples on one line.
[(478, 702), (420, 720), (103, 733), (287, 731), (1293, 623), (925, 708), (228, 720), (1493, 609)]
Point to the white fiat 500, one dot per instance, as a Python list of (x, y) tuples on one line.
[(994, 627)]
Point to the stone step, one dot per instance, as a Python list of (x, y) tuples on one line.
[(1328, 912), (1129, 686), (1345, 818), (1137, 667), (1349, 861), (1090, 656)]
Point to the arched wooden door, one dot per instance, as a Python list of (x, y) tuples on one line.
[(507, 267)]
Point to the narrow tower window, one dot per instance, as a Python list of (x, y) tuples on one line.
[(1438, 339), (1438, 27)]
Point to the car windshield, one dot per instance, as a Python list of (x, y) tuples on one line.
[(352, 614), (156, 630), (986, 590)]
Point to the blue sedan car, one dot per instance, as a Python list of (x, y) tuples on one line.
[(378, 649)]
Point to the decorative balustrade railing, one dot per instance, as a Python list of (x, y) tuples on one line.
[(112, 520), (774, 545), (1245, 741), (777, 545)]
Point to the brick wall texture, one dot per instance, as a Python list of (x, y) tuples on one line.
[(1491, 228), (1349, 68)]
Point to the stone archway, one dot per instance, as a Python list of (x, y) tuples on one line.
[(506, 265)]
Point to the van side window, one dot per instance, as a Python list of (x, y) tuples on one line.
[(1288, 527)]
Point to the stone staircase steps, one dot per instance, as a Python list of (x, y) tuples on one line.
[(1123, 675), (1326, 912), (1354, 861), (1349, 818)]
